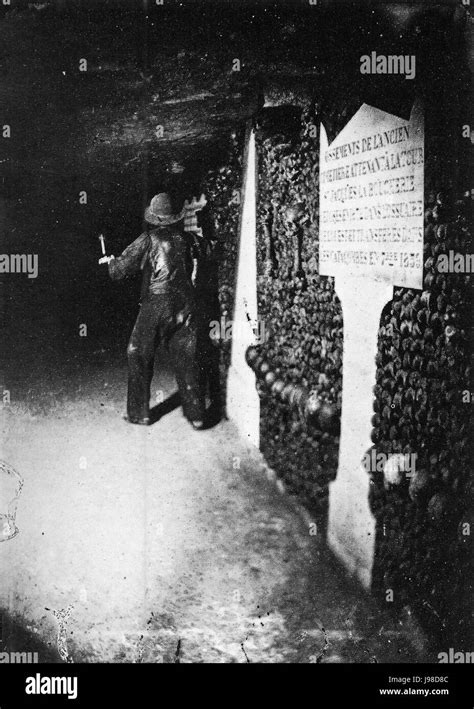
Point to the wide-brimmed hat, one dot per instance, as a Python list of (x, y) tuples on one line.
[(160, 212)]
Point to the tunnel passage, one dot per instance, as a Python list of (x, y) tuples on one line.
[(114, 147)]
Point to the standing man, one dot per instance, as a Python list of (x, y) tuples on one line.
[(167, 311)]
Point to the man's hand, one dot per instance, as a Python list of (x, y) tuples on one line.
[(106, 259)]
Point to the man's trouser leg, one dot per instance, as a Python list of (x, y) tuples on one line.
[(141, 357), (183, 348)]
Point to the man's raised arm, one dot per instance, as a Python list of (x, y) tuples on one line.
[(130, 261)]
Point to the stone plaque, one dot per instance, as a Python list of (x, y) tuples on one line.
[(371, 198)]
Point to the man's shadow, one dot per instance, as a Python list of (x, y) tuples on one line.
[(165, 407), (212, 414)]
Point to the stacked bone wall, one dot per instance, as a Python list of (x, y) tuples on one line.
[(421, 395)]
